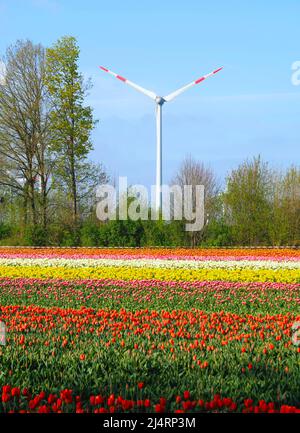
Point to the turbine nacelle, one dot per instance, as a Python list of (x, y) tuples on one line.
[(160, 100)]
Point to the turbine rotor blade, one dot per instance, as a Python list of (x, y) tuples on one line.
[(146, 92), (173, 95)]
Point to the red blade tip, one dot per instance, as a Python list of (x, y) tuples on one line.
[(199, 80), (121, 78), (217, 70)]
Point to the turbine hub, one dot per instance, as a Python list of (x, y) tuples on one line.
[(159, 100)]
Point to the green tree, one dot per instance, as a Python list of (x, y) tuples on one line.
[(25, 160), (291, 204), (285, 223), (71, 120), (247, 202)]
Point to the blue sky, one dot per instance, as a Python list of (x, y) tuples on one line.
[(250, 107)]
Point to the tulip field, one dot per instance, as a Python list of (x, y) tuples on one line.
[(149, 330)]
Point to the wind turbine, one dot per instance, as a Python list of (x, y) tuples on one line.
[(159, 101)]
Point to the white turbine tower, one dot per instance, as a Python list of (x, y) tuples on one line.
[(159, 101)]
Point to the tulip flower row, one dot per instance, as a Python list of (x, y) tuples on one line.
[(165, 274), (150, 263), (154, 253), (251, 297), (65, 401)]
